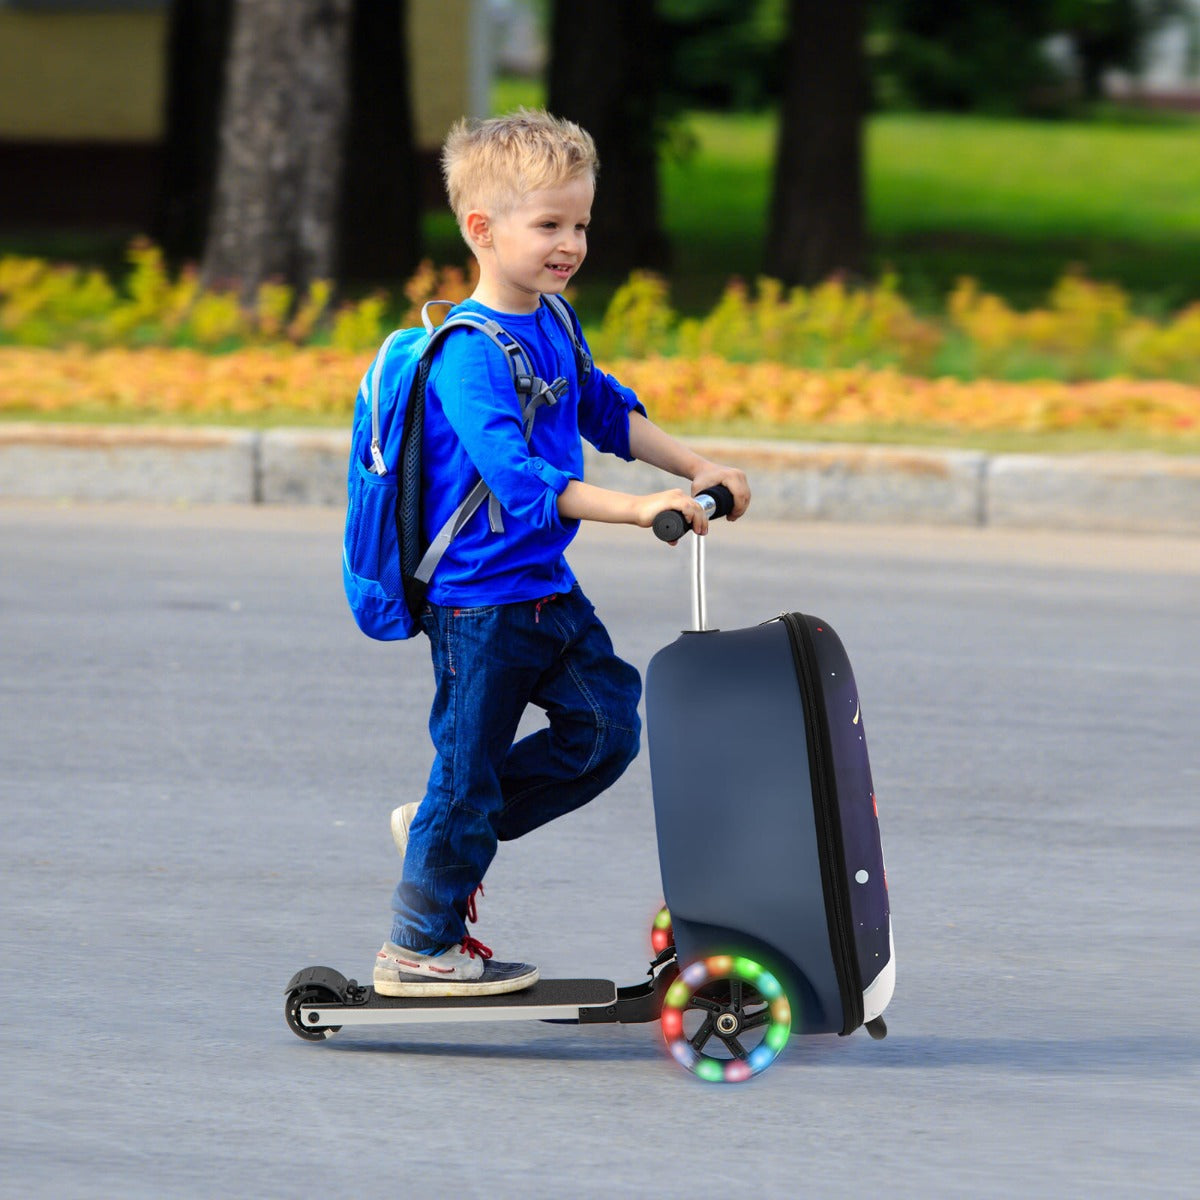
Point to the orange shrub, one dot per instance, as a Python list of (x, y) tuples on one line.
[(267, 383)]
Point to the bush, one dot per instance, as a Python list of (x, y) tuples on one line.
[(1085, 330), (42, 304)]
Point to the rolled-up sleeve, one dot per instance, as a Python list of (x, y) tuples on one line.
[(604, 407)]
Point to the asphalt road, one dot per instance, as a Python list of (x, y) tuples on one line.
[(199, 752)]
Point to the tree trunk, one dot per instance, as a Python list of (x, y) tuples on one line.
[(280, 153), (817, 224), (603, 75), (379, 217), (197, 48)]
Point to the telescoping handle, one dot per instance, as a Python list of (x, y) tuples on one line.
[(716, 501), (670, 526)]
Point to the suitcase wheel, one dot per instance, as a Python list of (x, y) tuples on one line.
[(661, 933), (725, 1019)]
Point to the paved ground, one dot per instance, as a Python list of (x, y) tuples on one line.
[(199, 753)]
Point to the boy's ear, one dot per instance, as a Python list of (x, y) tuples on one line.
[(478, 228)]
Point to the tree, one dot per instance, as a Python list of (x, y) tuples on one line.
[(279, 172), (197, 48), (1111, 33), (379, 211), (984, 56), (817, 222), (603, 74), (991, 56), (720, 54)]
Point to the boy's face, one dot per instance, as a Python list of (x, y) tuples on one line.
[(534, 248)]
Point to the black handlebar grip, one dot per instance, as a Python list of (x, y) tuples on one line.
[(723, 497), (669, 526)]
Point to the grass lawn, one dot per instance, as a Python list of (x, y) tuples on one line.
[(1012, 203)]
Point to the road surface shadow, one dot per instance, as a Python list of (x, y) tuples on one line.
[(1155, 1054)]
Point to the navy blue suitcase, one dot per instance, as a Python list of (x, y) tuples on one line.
[(768, 838)]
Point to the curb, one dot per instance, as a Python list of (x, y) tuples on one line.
[(1134, 493)]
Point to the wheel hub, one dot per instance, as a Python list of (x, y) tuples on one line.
[(728, 1024)]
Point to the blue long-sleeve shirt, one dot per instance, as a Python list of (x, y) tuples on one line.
[(473, 428)]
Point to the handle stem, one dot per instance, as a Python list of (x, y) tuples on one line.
[(699, 589)]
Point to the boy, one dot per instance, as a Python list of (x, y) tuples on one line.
[(508, 625)]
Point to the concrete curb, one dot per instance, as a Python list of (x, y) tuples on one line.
[(1143, 493), (82, 462)]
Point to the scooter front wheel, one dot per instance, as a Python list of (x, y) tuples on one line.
[(312, 994)]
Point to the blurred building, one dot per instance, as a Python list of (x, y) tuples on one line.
[(1169, 74), (83, 87)]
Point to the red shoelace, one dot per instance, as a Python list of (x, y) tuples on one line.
[(472, 912), (474, 946)]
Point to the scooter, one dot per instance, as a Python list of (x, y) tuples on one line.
[(728, 1004)]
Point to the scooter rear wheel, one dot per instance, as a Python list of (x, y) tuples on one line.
[(661, 933), (725, 1019)]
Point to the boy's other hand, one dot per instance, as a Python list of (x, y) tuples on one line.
[(648, 507), (713, 473)]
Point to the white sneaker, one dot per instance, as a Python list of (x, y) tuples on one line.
[(402, 819), (463, 970)]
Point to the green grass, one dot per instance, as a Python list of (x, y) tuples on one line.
[(1012, 203)]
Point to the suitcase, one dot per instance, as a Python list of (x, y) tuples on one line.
[(768, 836)]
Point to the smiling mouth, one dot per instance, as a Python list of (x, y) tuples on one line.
[(560, 268)]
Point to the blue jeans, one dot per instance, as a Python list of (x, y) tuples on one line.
[(489, 664)]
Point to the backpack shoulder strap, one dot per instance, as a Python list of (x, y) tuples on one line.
[(562, 310), (533, 392), (519, 365)]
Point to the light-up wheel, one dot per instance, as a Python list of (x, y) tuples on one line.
[(661, 933), (726, 1019)]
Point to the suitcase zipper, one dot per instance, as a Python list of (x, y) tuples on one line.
[(829, 825)]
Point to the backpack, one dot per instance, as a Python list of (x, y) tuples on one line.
[(385, 567)]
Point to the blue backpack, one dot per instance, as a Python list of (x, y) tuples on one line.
[(386, 568)]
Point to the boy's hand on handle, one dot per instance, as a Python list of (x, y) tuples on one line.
[(670, 524), (712, 474), (677, 500)]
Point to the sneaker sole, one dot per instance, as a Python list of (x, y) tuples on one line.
[(417, 986)]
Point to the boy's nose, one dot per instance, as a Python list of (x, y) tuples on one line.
[(574, 240)]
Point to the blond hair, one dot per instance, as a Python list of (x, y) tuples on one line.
[(493, 165)]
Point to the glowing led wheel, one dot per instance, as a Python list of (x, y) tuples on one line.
[(661, 933), (726, 1018)]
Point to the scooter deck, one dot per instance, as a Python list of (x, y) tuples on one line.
[(321, 1000), (546, 1000)]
